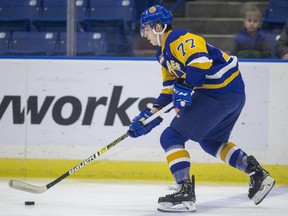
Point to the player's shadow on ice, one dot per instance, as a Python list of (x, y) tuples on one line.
[(233, 202)]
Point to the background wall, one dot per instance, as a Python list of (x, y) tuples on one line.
[(66, 110)]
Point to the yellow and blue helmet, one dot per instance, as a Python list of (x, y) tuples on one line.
[(156, 14)]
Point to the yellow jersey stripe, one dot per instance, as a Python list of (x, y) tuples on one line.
[(220, 85), (201, 62)]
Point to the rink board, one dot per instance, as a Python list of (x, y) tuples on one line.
[(127, 170), (77, 106)]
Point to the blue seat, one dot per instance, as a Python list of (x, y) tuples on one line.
[(278, 3), (117, 19), (54, 14), (123, 9), (5, 38), (114, 9), (114, 30), (276, 15), (16, 15), (15, 24), (87, 44), (272, 37), (33, 43)]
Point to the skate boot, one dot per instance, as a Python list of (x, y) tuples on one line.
[(260, 181), (181, 201)]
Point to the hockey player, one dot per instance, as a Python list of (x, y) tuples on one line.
[(206, 86)]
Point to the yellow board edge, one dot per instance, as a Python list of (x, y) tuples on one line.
[(129, 170)]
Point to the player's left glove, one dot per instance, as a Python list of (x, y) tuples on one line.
[(137, 128), (182, 94)]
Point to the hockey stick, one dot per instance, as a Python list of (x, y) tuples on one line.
[(19, 185)]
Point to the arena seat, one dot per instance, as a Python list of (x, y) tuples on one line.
[(123, 9), (117, 19), (5, 38), (87, 44), (114, 30), (33, 43), (276, 15), (278, 3), (54, 14), (16, 15)]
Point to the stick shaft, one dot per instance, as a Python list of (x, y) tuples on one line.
[(88, 160), (40, 189), (106, 148)]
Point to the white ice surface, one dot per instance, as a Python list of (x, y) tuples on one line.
[(133, 198)]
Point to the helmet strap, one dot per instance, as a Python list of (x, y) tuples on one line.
[(159, 33)]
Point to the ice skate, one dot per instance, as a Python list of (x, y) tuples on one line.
[(181, 201), (260, 181)]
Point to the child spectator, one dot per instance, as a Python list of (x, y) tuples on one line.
[(282, 44), (251, 41)]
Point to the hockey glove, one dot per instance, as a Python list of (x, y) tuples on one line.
[(137, 128), (182, 94)]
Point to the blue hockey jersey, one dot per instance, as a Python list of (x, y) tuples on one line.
[(203, 66)]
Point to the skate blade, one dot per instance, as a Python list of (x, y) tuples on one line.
[(266, 186), (185, 206)]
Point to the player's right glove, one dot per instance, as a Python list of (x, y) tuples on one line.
[(182, 94), (137, 128)]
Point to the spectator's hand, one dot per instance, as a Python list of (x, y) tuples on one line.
[(285, 56), (137, 128), (182, 94)]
